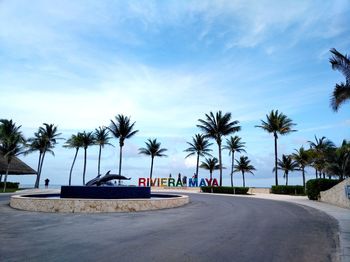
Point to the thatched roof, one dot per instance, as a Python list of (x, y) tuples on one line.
[(17, 167)]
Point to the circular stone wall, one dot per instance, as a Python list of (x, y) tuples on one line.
[(73, 205)]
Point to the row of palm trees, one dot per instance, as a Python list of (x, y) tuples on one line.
[(327, 160), (122, 129), (13, 143), (217, 126)]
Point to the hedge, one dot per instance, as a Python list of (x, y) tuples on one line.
[(14, 185), (288, 190), (225, 190), (315, 186)]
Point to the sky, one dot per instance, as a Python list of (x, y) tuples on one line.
[(165, 64)]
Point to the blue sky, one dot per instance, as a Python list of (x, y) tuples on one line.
[(77, 64)]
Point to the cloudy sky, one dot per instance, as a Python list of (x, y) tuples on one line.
[(77, 64)]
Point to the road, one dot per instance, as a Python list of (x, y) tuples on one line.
[(210, 228)]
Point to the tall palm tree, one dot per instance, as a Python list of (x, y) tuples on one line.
[(277, 123), (320, 147), (233, 145), (47, 137), (122, 129), (87, 139), (37, 143), (243, 165), (215, 127), (341, 92), (200, 147), (11, 140), (75, 141), (101, 138), (287, 164), (210, 164), (152, 149), (302, 157)]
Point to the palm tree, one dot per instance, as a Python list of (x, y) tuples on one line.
[(37, 143), (46, 137), (302, 157), (8, 128), (243, 165), (11, 140), (287, 165), (101, 138), (234, 144), (122, 129), (338, 161), (200, 147), (75, 141), (87, 139), (321, 147), (277, 123), (215, 127), (152, 149), (210, 164), (341, 92)]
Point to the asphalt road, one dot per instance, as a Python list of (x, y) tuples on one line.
[(210, 228)]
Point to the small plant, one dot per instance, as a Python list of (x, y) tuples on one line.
[(288, 190), (12, 185), (225, 190)]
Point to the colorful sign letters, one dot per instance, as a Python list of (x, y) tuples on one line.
[(172, 182)]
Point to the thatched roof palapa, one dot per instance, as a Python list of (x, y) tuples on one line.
[(17, 167)]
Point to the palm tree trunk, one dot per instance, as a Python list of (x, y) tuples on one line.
[(286, 178), (316, 173), (99, 160), (324, 175), (220, 162), (37, 182), (232, 164), (38, 168), (243, 179), (85, 153), (7, 172), (151, 171), (120, 162), (303, 171), (0, 178), (197, 165), (276, 175), (211, 177), (71, 169)]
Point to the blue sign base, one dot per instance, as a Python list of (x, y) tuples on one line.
[(104, 192)]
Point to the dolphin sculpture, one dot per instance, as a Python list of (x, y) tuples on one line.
[(98, 181)]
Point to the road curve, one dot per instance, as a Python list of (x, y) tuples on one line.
[(210, 228)]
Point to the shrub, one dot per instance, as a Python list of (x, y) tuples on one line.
[(288, 190), (315, 186), (14, 185), (225, 190)]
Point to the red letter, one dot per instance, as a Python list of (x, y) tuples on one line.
[(215, 182), (142, 181), (209, 181)]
